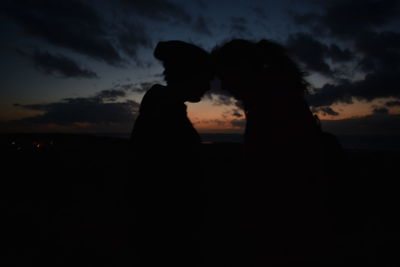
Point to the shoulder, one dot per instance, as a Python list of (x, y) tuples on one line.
[(154, 97), (156, 91)]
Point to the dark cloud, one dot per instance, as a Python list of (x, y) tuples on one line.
[(336, 54), (83, 110), (58, 65), (201, 26), (330, 94), (376, 51), (380, 110), (375, 85), (144, 86), (201, 4), (375, 124), (260, 12), (135, 87), (237, 113), (310, 52), (220, 97), (305, 19), (380, 50), (158, 10), (239, 26), (239, 123), (78, 26), (125, 87), (69, 24), (395, 103), (110, 94), (314, 53), (326, 111), (359, 22), (343, 19), (131, 37)]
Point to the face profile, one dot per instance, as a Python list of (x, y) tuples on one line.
[(193, 87), (168, 159), (187, 72)]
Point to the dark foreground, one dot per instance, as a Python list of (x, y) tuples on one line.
[(66, 200)]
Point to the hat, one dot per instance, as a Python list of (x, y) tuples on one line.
[(181, 53)]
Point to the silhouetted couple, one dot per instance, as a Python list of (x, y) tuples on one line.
[(283, 220)]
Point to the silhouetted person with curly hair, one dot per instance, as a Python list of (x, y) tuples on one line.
[(284, 220), (169, 183)]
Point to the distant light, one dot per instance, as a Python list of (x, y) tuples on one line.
[(13, 142)]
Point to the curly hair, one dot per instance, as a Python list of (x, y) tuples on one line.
[(264, 56)]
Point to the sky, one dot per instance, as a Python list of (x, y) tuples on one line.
[(83, 66)]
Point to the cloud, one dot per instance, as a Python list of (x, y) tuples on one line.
[(69, 24), (336, 54), (110, 94), (238, 123), (135, 87), (213, 121), (314, 53), (393, 103), (131, 37), (260, 12), (78, 26), (326, 111), (237, 113), (363, 25), (144, 86), (380, 110), (375, 124), (353, 21), (343, 19), (309, 51), (158, 10), (239, 26), (330, 94), (201, 4), (220, 98), (93, 110), (380, 84), (201, 26), (58, 65), (380, 50), (305, 19)]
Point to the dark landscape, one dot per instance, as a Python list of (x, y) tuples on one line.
[(67, 199), (200, 133)]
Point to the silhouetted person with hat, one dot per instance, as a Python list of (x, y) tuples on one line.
[(284, 220), (168, 176)]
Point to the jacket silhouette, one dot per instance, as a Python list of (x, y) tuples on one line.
[(168, 182)]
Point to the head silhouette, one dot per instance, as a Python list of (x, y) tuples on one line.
[(187, 69), (253, 71)]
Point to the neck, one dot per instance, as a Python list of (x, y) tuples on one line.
[(175, 94)]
